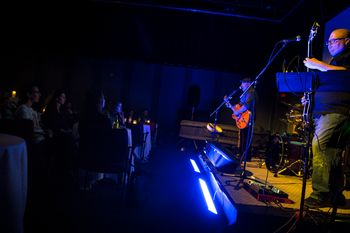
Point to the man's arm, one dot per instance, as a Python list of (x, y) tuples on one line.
[(313, 63)]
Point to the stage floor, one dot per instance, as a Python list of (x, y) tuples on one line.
[(245, 201)]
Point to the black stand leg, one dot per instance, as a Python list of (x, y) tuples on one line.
[(307, 129), (248, 140), (306, 171)]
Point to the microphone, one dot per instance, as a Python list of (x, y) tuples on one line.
[(294, 39)]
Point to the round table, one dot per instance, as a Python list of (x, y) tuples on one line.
[(13, 182)]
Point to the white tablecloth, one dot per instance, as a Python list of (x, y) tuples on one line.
[(148, 143), (13, 183)]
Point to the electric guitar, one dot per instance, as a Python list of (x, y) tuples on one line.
[(242, 119)]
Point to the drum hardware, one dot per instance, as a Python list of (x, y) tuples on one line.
[(285, 155), (299, 163)]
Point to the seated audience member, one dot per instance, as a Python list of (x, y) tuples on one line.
[(131, 118), (119, 119), (58, 124), (92, 119), (31, 96), (71, 114), (92, 115), (115, 114), (38, 170), (145, 117), (54, 117), (8, 106)]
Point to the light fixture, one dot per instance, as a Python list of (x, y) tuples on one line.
[(194, 165), (207, 196)]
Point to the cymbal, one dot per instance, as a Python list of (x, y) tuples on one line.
[(210, 127), (287, 104), (293, 106)]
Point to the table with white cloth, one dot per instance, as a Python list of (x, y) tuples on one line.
[(13, 183), (148, 143), (132, 159)]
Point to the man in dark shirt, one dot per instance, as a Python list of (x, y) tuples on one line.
[(331, 110), (246, 105)]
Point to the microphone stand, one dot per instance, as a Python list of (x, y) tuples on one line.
[(217, 110)]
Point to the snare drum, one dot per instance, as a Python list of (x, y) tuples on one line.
[(284, 154)]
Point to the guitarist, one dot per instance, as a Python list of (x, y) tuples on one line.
[(244, 107)]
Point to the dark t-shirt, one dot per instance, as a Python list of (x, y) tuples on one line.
[(334, 102)]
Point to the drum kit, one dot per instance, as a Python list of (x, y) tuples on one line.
[(294, 119), (284, 152)]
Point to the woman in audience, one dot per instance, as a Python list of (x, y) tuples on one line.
[(92, 121), (92, 115), (61, 144), (118, 116), (54, 117)]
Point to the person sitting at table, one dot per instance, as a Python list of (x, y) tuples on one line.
[(38, 160), (92, 119), (131, 118), (8, 106), (92, 115), (61, 143), (54, 118), (116, 115), (145, 117), (30, 97), (119, 115)]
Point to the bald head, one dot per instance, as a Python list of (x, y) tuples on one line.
[(338, 41), (341, 33)]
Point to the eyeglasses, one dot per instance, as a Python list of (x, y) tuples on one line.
[(332, 41)]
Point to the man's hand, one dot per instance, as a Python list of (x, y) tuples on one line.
[(313, 63), (236, 113), (227, 103), (303, 100)]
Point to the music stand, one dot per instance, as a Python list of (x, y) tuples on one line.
[(301, 82)]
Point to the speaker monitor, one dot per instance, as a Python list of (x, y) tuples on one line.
[(222, 158)]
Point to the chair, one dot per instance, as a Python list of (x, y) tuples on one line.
[(106, 151), (138, 140)]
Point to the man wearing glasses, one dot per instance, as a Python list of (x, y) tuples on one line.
[(331, 110)]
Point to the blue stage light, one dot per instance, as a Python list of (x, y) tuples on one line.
[(207, 196), (194, 165)]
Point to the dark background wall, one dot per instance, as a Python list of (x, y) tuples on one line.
[(153, 58)]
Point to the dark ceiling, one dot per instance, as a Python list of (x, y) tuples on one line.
[(263, 10), (233, 35)]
